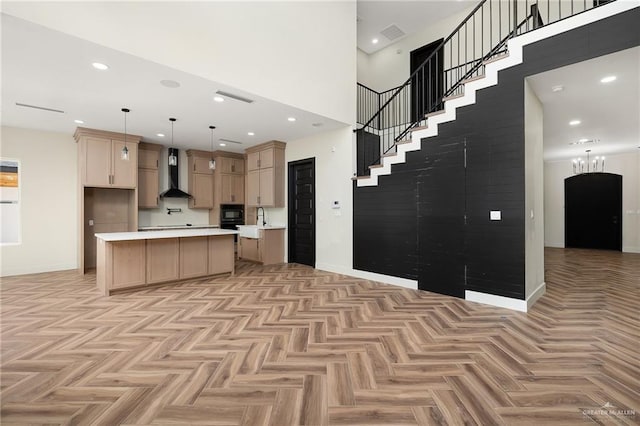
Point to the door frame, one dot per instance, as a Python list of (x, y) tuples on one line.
[(290, 209)]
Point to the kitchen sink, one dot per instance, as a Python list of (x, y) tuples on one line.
[(249, 231)]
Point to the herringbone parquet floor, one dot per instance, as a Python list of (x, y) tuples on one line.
[(288, 345)]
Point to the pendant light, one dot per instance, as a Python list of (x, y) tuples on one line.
[(212, 162), (124, 153), (173, 160)]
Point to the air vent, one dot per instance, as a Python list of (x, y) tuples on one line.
[(39, 107), (232, 96), (392, 32), (583, 142), (229, 140)]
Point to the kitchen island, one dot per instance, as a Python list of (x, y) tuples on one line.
[(128, 260)]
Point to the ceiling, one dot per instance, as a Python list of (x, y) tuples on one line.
[(609, 113), (50, 69), (408, 16)]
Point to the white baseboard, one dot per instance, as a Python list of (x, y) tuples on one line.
[(506, 302), (554, 245), (630, 249), (493, 300), (387, 279), (37, 269), (536, 294)]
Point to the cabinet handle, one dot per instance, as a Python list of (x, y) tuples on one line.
[(258, 199), (194, 167), (156, 201), (233, 168), (258, 162), (157, 165)]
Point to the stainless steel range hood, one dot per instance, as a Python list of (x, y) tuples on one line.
[(174, 190)]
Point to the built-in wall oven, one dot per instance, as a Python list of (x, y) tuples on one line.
[(230, 216)]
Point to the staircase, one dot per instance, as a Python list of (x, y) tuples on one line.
[(490, 39)]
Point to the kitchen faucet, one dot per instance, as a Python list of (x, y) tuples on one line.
[(264, 222)]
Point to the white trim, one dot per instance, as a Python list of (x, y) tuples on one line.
[(630, 249), (39, 269), (506, 302), (387, 279), (515, 48), (553, 244), (537, 294), (493, 300)]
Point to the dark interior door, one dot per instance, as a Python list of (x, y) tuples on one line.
[(593, 211), (441, 211), (427, 84), (302, 212)]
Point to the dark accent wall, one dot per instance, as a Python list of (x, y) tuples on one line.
[(412, 224)]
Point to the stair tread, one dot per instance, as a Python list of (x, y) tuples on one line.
[(375, 166), (432, 114), (496, 58), (360, 177), (470, 79), (403, 142), (390, 154), (418, 128), (452, 97)]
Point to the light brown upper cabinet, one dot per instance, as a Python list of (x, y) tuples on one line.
[(230, 165), (265, 176), (200, 179), (229, 178), (101, 164), (148, 177)]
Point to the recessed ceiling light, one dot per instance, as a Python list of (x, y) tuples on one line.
[(100, 66), (160, 135), (374, 41), (171, 84), (583, 140), (608, 79), (558, 88), (78, 121), (218, 98), (317, 124), (291, 119), (223, 144), (250, 133), (574, 122)]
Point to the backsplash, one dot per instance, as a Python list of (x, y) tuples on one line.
[(159, 216)]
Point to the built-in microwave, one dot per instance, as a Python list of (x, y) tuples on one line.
[(231, 214)]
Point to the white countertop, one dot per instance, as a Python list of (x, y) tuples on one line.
[(162, 227), (169, 233), (263, 226)]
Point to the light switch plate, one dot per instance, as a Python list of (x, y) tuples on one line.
[(495, 215)]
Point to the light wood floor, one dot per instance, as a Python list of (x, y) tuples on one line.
[(288, 345)]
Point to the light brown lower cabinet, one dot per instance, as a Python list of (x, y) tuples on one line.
[(130, 255), (268, 249), (250, 249), (129, 264), (163, 260), (221, 254), (193, 257)]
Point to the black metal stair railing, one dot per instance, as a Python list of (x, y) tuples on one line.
[(481, 36)]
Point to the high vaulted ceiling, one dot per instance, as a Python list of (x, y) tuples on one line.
[(408, 16)]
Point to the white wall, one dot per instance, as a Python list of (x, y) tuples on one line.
[(389, 67), (534, 197), (333, 152), (49, 201), (298, 53), (159, 216), (555, 172)]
